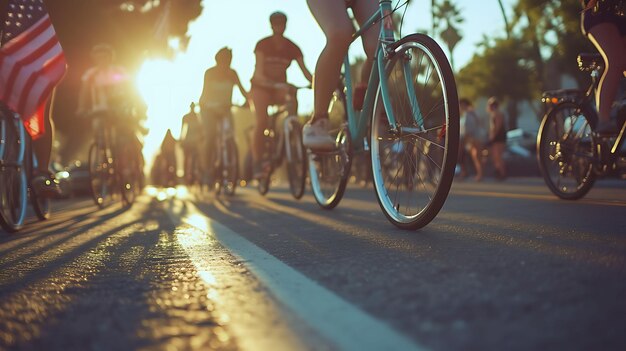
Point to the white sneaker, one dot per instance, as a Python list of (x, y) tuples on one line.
[(315, 136)]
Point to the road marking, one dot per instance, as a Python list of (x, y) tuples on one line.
[(334, 318), (536, 197)]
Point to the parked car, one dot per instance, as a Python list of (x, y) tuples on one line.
[(74, 179)]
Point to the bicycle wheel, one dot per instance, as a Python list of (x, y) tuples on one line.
[(13, 182), (129, 178), (263, 185), (413, 167), (230, 167), (565, 151), (329, 171), (99, 174), (296, 160), (41, 204)]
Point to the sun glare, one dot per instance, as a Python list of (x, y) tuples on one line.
[(167, 87)]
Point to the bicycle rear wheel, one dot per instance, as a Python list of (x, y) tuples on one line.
[(99, 174), (565, 151), (413, 167), (230, 167), (13, 182), (296, 159), (329, 171)]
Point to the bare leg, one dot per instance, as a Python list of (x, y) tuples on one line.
[(474, 152), (497, 149), (363, 9), (609, 43), (332, 17)]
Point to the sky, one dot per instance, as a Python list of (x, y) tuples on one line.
[(170, 85)]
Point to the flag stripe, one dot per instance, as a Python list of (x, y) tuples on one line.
[(19, 65), (32, 62), (27, 69), (50, 72)]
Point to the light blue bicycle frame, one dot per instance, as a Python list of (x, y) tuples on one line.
[(357, 119)]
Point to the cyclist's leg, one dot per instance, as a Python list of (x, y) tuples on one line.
[(44, 180), (261, 99), (208, 160), (333, 19), (607, 39)]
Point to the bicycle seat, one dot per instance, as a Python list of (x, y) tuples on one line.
[(590, 62)]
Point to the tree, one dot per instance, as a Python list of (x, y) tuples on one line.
[(500, 70), (448, 13)]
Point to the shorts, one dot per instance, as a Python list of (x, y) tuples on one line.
[(590, 19)]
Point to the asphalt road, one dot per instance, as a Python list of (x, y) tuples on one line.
[(505, 266)]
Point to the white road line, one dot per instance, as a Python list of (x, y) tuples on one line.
[(337, 320)]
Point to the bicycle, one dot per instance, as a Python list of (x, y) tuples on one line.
[(115, 161), (17, 165), (412, 105), (571, 155), (284, 144)]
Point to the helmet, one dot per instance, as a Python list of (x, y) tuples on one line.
[(278, 18), (103, 48)]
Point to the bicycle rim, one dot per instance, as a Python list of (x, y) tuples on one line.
[(296, 166), (565, 151), (129, 177), (329, 171), (13, 195), (413, 169)]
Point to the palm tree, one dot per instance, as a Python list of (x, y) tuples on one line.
[(448, 13)]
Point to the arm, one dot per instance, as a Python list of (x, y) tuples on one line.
[(239, 86), (305, 71)]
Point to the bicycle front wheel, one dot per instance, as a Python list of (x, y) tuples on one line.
[(129, 174), (565, 151), (296, 160), (230, 167), (413, 165), (13, 182), (99, 174)]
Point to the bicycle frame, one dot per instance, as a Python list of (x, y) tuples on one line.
[(356, 119)]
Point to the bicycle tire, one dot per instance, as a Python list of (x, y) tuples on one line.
[(98, 175), (423, 175), (263, 183), (129, 179), (230, 168), (329, 172), (41, 204), (296, 166), (13, 195), (567, 176)]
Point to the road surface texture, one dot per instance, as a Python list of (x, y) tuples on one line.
[(505, 266)]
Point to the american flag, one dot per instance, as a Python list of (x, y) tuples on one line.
[(32, 62)]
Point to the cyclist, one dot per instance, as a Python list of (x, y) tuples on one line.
[(216, 100), (106, 95), (190, 137), (604, 23), (332, 17), (44, 180), (274, 55)]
